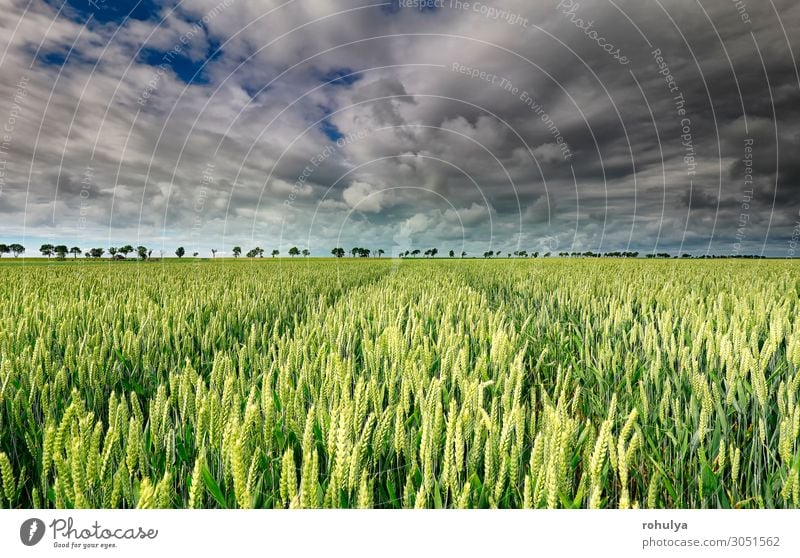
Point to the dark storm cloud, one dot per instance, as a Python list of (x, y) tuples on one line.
[(561, 124)]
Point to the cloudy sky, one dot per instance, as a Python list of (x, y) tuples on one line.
[(560, 125)]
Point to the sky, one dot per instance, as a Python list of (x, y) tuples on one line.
[(538, 125)]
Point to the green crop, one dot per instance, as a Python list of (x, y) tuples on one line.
[(369, 383)]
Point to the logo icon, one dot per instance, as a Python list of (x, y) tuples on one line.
[(31, 531)]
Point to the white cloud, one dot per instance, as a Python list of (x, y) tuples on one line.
[(364, 197), (468, 216)]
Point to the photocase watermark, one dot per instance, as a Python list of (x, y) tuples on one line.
[(549, 243), (747, 196), (480, 8), (177, 50), (689, 155), (199, 206), (401, 240), (318, 159), (31, 531), (98, 4), (794, 241), (569, 9), (523, 95), (87, 180), (14, 113), (65, 534), (477, 73), (741, 8)]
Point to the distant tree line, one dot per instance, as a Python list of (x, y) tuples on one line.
[(357, 252), (60, 251)]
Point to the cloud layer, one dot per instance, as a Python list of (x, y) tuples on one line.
[(550, 125)]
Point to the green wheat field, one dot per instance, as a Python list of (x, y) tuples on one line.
[(386, 384)]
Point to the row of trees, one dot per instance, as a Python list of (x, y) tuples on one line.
[(15, 249), (142, 252), (258, 252), (117, 253), (357, 252), (516, 253)]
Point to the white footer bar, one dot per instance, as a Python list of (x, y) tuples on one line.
[(406, 534)]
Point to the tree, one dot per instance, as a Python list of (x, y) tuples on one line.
[(306, 252), (141, 251), (294, 251), (452, 254), (354, 251), (17, 249), (61, 251), (180, 252), (75, 251), (434, 251), (112, 251), (96, 253), (195, 254), (46, 249), (213, 252), (415, 253), (4, 249), (463, 254), (125, 250), (237, 251), (380, 252), (256, 253), (274, 252), (338, 252)]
